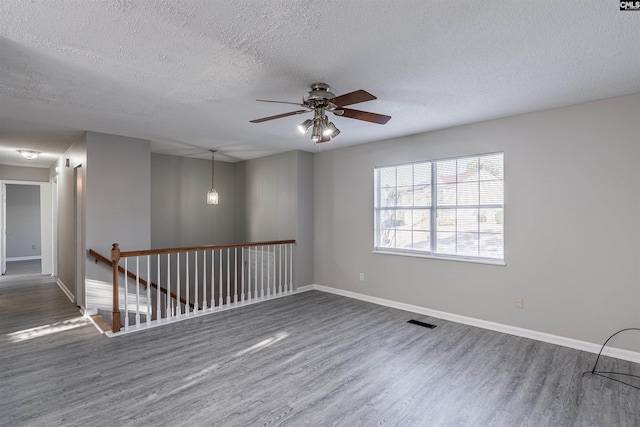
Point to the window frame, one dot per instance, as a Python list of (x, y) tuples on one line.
[(434, 208)]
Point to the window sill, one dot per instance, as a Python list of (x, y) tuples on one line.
[(498, 262)]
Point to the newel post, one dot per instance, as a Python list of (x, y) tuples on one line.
[(115, 314)]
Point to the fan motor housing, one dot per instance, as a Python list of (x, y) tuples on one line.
[(318, 94)]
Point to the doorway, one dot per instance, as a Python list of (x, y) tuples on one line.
[(26, 242), (23, 230)]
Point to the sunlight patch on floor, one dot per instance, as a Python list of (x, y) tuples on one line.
[(264, 343), (53, 328)]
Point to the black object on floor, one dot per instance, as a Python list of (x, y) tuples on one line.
[(605, 374), (419, 323)]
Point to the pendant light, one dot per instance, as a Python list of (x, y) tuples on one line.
[(212, 195)]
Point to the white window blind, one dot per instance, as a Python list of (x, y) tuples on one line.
[(452, 207)]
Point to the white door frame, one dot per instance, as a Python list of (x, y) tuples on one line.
[(3, 232), (47, 243), (79, 235), (54, 225)]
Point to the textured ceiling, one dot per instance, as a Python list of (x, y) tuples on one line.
[(185, 74)]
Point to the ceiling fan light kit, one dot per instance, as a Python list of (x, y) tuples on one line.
[(331, 130), (304, 126), (320, 100), (316, 135)]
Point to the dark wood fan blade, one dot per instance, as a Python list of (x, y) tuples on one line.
[(280, 102), (352, 98), (365, 115), (278, 116)]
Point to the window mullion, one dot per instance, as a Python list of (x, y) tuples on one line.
[(376, 181), (456, 209), (478, 225), (413, 201), (434, 209)]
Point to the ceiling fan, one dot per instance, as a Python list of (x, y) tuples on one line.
[(320, 101)]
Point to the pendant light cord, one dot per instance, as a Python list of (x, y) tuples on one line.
[(212, 167)]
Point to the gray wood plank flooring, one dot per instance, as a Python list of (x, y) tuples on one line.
[(17, 268), (311, 359)]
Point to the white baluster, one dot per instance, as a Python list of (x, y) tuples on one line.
[(235, 275), (158, 282), (197, 284), (213, 279), (291, 267), (179, 285), (273, 264), (204, 280), (268, 272), (228, 280), (242, 275), (280, 267), (148, 290), (255, 272), (169, 305), (285, 269), (187, 306), (126, 294), (220, 280), (137, 292), (249, 273), (261, 271)]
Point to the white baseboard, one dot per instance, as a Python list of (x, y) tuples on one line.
[(618, 353), (24, 258), (88, 312), (202, 312), (66, 291)]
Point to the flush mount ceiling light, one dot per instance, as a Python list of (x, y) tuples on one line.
[(212, 195), (320, 101), (29, 154)]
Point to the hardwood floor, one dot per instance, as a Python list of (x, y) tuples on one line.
[(311, 359), (17, 268)]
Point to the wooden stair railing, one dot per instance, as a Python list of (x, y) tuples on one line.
[(117, 254), (143, 282)]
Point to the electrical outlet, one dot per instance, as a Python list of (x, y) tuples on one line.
[(362, 277), (519, 302), (33, 246)]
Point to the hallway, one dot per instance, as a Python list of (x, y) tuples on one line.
[(20, 268)]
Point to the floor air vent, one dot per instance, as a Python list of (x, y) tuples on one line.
[(419, 323)]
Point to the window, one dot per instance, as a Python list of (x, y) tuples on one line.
[(451, 208)]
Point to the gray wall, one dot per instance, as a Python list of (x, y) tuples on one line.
[(115, 198), (118, 196), (77, 155), (303, 274), (572, 197), (277, 204), (23, 221), (22, 173), (270, 198), (179, 213)]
